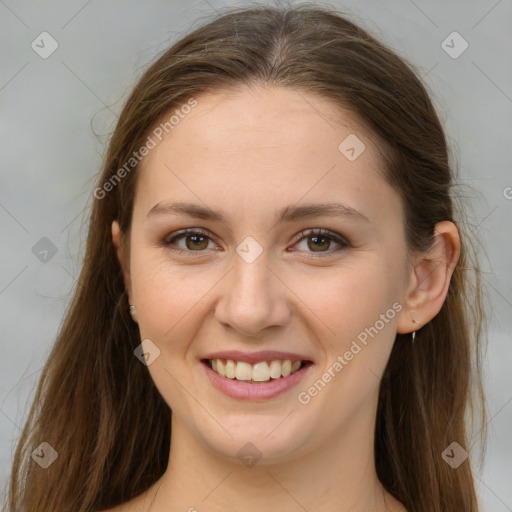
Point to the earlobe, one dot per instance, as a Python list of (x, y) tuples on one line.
[(430, 279), (117, 241)]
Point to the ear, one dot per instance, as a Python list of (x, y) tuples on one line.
[(125, 267), (430, 279)]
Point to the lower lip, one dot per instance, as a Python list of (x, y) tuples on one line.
[(242, 390)]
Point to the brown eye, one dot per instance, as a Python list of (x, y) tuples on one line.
[(195, 241), (320, 241)]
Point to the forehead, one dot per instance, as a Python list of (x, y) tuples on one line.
[(262, 146), (269, 116)]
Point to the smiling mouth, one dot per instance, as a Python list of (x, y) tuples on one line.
[(259, 373)]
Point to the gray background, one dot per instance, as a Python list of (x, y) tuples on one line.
[(57, 114)]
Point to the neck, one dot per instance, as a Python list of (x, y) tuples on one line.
[(340, 470)]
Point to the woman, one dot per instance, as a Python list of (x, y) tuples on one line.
[(274, 257)]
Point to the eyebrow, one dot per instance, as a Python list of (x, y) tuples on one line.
[(287, 214)]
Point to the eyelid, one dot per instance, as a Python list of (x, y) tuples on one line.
[(304, 234), (181, 234), (342, 242)]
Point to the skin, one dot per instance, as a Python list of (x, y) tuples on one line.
[(249, 153)]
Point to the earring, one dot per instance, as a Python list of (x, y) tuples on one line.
[(413, 337), (133, 313)]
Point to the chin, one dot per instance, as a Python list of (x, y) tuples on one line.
[(252, 440)]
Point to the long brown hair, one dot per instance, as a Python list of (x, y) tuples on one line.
[(96, 404)]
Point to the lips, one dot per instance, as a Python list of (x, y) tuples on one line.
[(257, 375)]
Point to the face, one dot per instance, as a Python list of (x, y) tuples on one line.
[(270, 280)]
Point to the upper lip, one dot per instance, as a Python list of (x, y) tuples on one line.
[(256, 357)]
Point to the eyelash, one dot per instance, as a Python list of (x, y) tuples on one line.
[(309, 233)]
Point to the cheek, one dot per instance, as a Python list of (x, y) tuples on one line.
[(351, 299), (341, 301), (165, 294), (356, 302), (173, 302), (170, 300), (362, 313)]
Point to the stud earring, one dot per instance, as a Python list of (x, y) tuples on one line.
[(133, 313)]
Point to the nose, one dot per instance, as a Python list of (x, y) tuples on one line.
[(253, 297)]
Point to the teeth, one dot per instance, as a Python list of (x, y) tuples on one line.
[(243, 371), (230, 369), (286, 368), (221, 368), (275, 369), (259, 372)]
